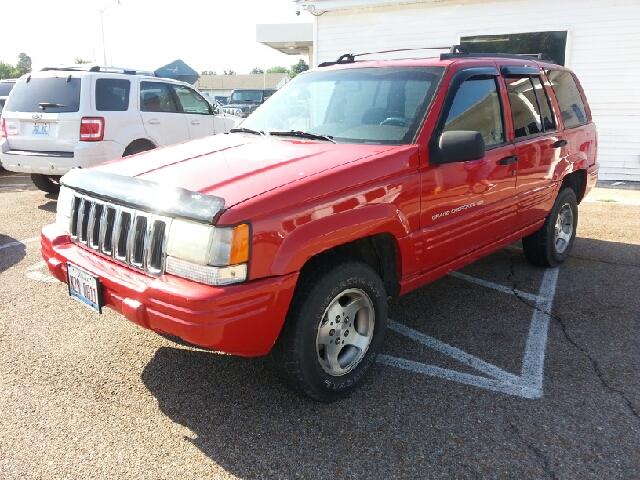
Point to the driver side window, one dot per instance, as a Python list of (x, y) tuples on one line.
[(476, 107)]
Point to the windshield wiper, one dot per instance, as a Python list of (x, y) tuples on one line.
[(44, 105), (246, 130), (301, 134)]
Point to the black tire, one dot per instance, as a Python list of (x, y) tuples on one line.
[(303, 359), (46, 183), (137, 147), (551, 245)]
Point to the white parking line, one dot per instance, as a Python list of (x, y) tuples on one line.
[(22, 242), (529, 384), (34, 274), (14, 185)]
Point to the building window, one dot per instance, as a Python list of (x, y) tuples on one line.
[(552, 43)]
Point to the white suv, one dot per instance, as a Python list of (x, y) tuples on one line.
[(67, 117)]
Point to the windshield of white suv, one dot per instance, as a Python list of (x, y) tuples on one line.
[(384, 105), (48, 94)]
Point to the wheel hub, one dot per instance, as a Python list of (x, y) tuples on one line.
[(345, 332), (563, 228)]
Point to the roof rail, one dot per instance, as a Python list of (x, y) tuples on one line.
[(455, 51), (462, 52), (351, 57), (99, 68)]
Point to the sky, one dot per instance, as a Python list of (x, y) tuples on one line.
[(212, 35)]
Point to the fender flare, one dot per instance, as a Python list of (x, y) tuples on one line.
[(331, 231)]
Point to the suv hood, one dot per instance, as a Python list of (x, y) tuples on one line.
[(236, 167)]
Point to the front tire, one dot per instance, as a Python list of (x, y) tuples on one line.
[(334, 330), (550, 246), (46, 183)]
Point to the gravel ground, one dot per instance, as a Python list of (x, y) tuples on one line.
[(87, 396)]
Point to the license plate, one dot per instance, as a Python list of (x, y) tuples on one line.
[(40, 129), (85, 287)]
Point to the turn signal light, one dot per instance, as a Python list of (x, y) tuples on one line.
[(92, 129), (239, 245)]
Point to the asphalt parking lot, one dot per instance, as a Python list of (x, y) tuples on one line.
[(501, 370)]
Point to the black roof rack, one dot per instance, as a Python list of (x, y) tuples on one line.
[(464, 53), (351, 57), (99, 68), (455, 51)]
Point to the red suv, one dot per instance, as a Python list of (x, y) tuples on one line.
[(357, 181)]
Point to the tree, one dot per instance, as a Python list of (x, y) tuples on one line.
[(7, 71), (81, 61), (299, 67), (24, 64), (276, 70), (256, 71), (229, 72)]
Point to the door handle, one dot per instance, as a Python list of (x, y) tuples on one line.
[(154, 121), (508, 160), (195, 122), (560, 143)]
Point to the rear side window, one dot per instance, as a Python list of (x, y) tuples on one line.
[(569, 98), (476, 106), (112, 95), (50, 94), (156, 97), (5, 88), (525, 110)]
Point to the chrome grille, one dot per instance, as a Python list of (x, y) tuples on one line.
[(127, 235)]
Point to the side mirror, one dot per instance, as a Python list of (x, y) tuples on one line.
[(460, 146)]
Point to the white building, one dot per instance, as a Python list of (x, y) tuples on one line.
[(600, 40)]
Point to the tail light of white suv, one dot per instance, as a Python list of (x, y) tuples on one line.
[(3, 133), (92, 129)]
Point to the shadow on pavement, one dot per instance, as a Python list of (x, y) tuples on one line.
[(401, 425), (12, 253)]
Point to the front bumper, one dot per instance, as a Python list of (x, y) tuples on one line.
[(243, 319)]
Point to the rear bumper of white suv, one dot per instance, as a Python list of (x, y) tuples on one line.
[(86, 154)]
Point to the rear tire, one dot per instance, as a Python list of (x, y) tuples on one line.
[(136, 147), (334, 330), (551, 245), (46, 183)]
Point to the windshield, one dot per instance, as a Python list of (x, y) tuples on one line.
[(383, 105), (250, 97)]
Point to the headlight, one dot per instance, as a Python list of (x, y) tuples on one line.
[(238, 112), (63, 210), (208, 254)]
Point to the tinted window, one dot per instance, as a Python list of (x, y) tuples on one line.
[(50, 91), (192, 102), (524, 107), (252, 96), (548, 119), (569, 98), (112, 95), (5, 88), (156, 97), (476, 107), (1, 106)]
